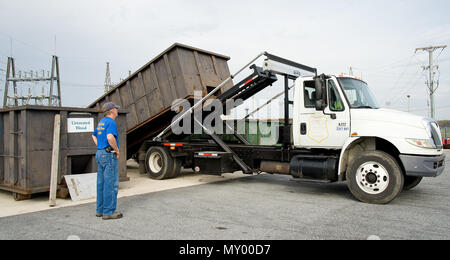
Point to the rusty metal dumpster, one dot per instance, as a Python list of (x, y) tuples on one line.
[(26, 143), (148, 93)]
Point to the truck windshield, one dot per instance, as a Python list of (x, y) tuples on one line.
[(358, 93)]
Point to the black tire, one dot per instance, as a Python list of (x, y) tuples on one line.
[(177, 163), (159, 163), (411, 182), (381, 177)]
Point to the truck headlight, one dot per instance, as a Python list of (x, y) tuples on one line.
[(422, 143)]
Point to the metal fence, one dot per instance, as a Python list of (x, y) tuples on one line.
[(445, 132)]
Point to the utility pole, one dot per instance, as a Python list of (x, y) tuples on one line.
[(431, 68)]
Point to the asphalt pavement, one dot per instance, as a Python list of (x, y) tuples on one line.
[(264, 207)]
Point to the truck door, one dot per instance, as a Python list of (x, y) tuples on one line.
[(327, 129)]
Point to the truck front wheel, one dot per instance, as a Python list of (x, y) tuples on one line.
[(411, 182), (160, 164), (375, 177)]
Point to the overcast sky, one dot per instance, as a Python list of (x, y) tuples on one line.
[(376, 38)]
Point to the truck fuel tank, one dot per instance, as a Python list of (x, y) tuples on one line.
[(307, 167), (315, 167)]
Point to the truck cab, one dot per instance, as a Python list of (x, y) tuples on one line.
[(341, 113)]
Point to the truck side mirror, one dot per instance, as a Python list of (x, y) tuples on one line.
[(320, 105), (321, 101), (319, 89)]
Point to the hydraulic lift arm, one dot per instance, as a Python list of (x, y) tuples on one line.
[(260, 79)]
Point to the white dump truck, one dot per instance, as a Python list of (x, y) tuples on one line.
[(338, 132)]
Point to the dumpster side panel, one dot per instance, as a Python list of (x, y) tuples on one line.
[(115, 97), (11, 138), (170, 78), (137, 89), (208, 71), (148, 81), (40, 147), (132, 106), (5, 147), (142, 109), (223, 72), (125, 93), (128, 102), (177, 75), (162, 77), (191, 71), (132, 117), (40, 170), (2, 150), (154, 95), (63, 170), (142, 105), (23, 179), (40, 139)]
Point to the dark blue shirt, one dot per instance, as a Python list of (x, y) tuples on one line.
[(105, 127)]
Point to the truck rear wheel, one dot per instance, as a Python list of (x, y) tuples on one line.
[(411, 182), (160, 165), (375, 177)]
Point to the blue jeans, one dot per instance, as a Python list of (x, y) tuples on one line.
[(107, 182)]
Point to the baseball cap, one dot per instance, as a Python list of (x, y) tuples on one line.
[(109, 106)]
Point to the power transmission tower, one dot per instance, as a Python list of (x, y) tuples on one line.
[(431, 68), (108, 84), (11, 77)]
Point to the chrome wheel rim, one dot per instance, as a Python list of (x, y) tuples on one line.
[(372, 178)]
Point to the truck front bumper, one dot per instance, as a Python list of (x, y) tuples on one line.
[(423, 166)]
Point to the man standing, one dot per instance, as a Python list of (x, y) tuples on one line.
[(106, 137)]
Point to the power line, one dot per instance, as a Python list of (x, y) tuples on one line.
[(437, 58), (411, 86), (399, 91), (80, 85), (388, 66), (402, 75), (26, 44), (387, 74)]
